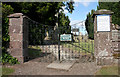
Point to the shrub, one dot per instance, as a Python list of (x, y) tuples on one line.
[(6, 58), (6, 10)]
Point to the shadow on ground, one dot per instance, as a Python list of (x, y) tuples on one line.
[(38, 54)]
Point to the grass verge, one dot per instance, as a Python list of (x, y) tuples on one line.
[(108, 70), (6, 71)]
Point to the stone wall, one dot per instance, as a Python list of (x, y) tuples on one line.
[(105, 41), (115, 33), (18, 31)]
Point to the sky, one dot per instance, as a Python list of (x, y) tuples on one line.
[(81, 9)]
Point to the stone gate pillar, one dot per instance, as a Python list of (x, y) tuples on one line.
[(18, 31), (102, 36)]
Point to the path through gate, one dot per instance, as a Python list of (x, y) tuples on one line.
[(48, 44)]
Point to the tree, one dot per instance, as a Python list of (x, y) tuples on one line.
[(90, 25), (64, 23), (42, 12)]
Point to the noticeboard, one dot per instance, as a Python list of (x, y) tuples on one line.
[(103, 22), (65, 37)]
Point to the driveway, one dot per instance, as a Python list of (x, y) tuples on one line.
[(34, 67)]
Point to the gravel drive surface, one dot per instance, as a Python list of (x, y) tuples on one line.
[(40, 68)]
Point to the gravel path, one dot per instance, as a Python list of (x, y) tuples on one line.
[(35, 67), (40, 68)]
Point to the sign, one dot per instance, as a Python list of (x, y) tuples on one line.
[(103, 22), (65, 37), (75, 30)]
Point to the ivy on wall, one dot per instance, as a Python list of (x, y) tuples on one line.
[(6, 58)]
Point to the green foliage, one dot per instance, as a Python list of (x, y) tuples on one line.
[(70, 6), (64, 23), (34, 51), (90, 25), (6, 10), (6, 71), (113, 6), (36, 34), (108, 70), (6, 58), (42, 12)]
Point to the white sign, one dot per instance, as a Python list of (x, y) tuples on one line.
[(103, 22)]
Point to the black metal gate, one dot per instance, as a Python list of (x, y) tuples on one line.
[(45, 44)]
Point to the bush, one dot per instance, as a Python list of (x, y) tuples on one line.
[(6, 10), (6, 58)]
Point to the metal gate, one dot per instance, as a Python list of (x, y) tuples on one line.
[(50, 44)]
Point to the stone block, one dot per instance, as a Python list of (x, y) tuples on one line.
[(14, 29), (16, 52), (16, 37), (15, 21), (16, 44)]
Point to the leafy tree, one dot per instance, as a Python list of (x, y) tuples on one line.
[(42, 12), (64, 23), (90, 25)]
